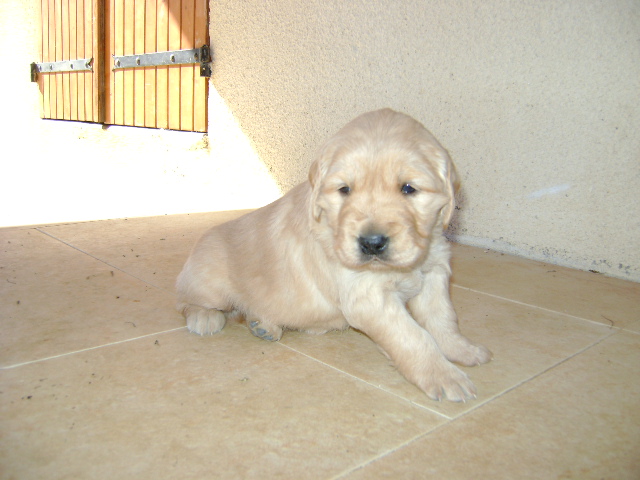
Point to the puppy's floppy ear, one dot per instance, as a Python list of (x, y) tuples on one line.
[(441, 161), (317, 172), (451, 184)]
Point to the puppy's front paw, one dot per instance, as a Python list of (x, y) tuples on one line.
[(445, 380), (204, 321), (272, 333), (461, 350)]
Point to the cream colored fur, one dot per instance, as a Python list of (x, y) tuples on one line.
[(353, 246)]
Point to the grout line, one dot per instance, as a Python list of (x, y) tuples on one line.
[(627, 330), (499, 395), (419, 436), (102, 261), (9, 367), (377, 387), (390, 451), (551, 367), (406, 443), (517, 302)]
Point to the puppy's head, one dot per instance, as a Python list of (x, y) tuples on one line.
[(384, 186)]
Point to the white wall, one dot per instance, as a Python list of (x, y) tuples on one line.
[(537, 101)]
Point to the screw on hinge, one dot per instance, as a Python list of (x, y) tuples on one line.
[(205, 58), (205, 70)]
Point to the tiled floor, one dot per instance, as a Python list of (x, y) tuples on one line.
[(100, 378)]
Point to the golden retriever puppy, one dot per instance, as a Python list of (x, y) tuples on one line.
[(360, 244)]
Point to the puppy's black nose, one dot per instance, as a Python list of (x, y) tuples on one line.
[(373, 244)]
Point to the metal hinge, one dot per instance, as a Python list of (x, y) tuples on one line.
[(80, 65), (200, 55)]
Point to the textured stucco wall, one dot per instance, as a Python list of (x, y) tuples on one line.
[(537, 102)]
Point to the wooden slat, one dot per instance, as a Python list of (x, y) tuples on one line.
[(53, 87), (150, 73), (80, 53), (43, 80), (162, 73), (53, 79), (46, 81), (129, 75), (187, 71), (175, 13), (138, 26), (58, 56), (99, 53), (118, 49), (110, 49), (87, 17), (64, 55), (72, 55), (201, 86), (41, 47), (85, 40)]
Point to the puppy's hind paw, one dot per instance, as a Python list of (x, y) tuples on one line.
[(272, 333), (204, 321)]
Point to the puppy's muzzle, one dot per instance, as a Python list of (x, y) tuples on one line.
[(373, 245)]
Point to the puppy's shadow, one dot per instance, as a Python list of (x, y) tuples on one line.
[(455, 227)]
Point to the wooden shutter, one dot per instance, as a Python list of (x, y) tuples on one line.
[(70, 30), (170, 97)]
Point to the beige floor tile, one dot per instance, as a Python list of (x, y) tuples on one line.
[(580, 420), (634, 327), (177, 405), (525, 341), (56, 299), (605, 300), (153, 249)]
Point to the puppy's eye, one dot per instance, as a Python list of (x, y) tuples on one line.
[(407, 189), (345, 190)]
